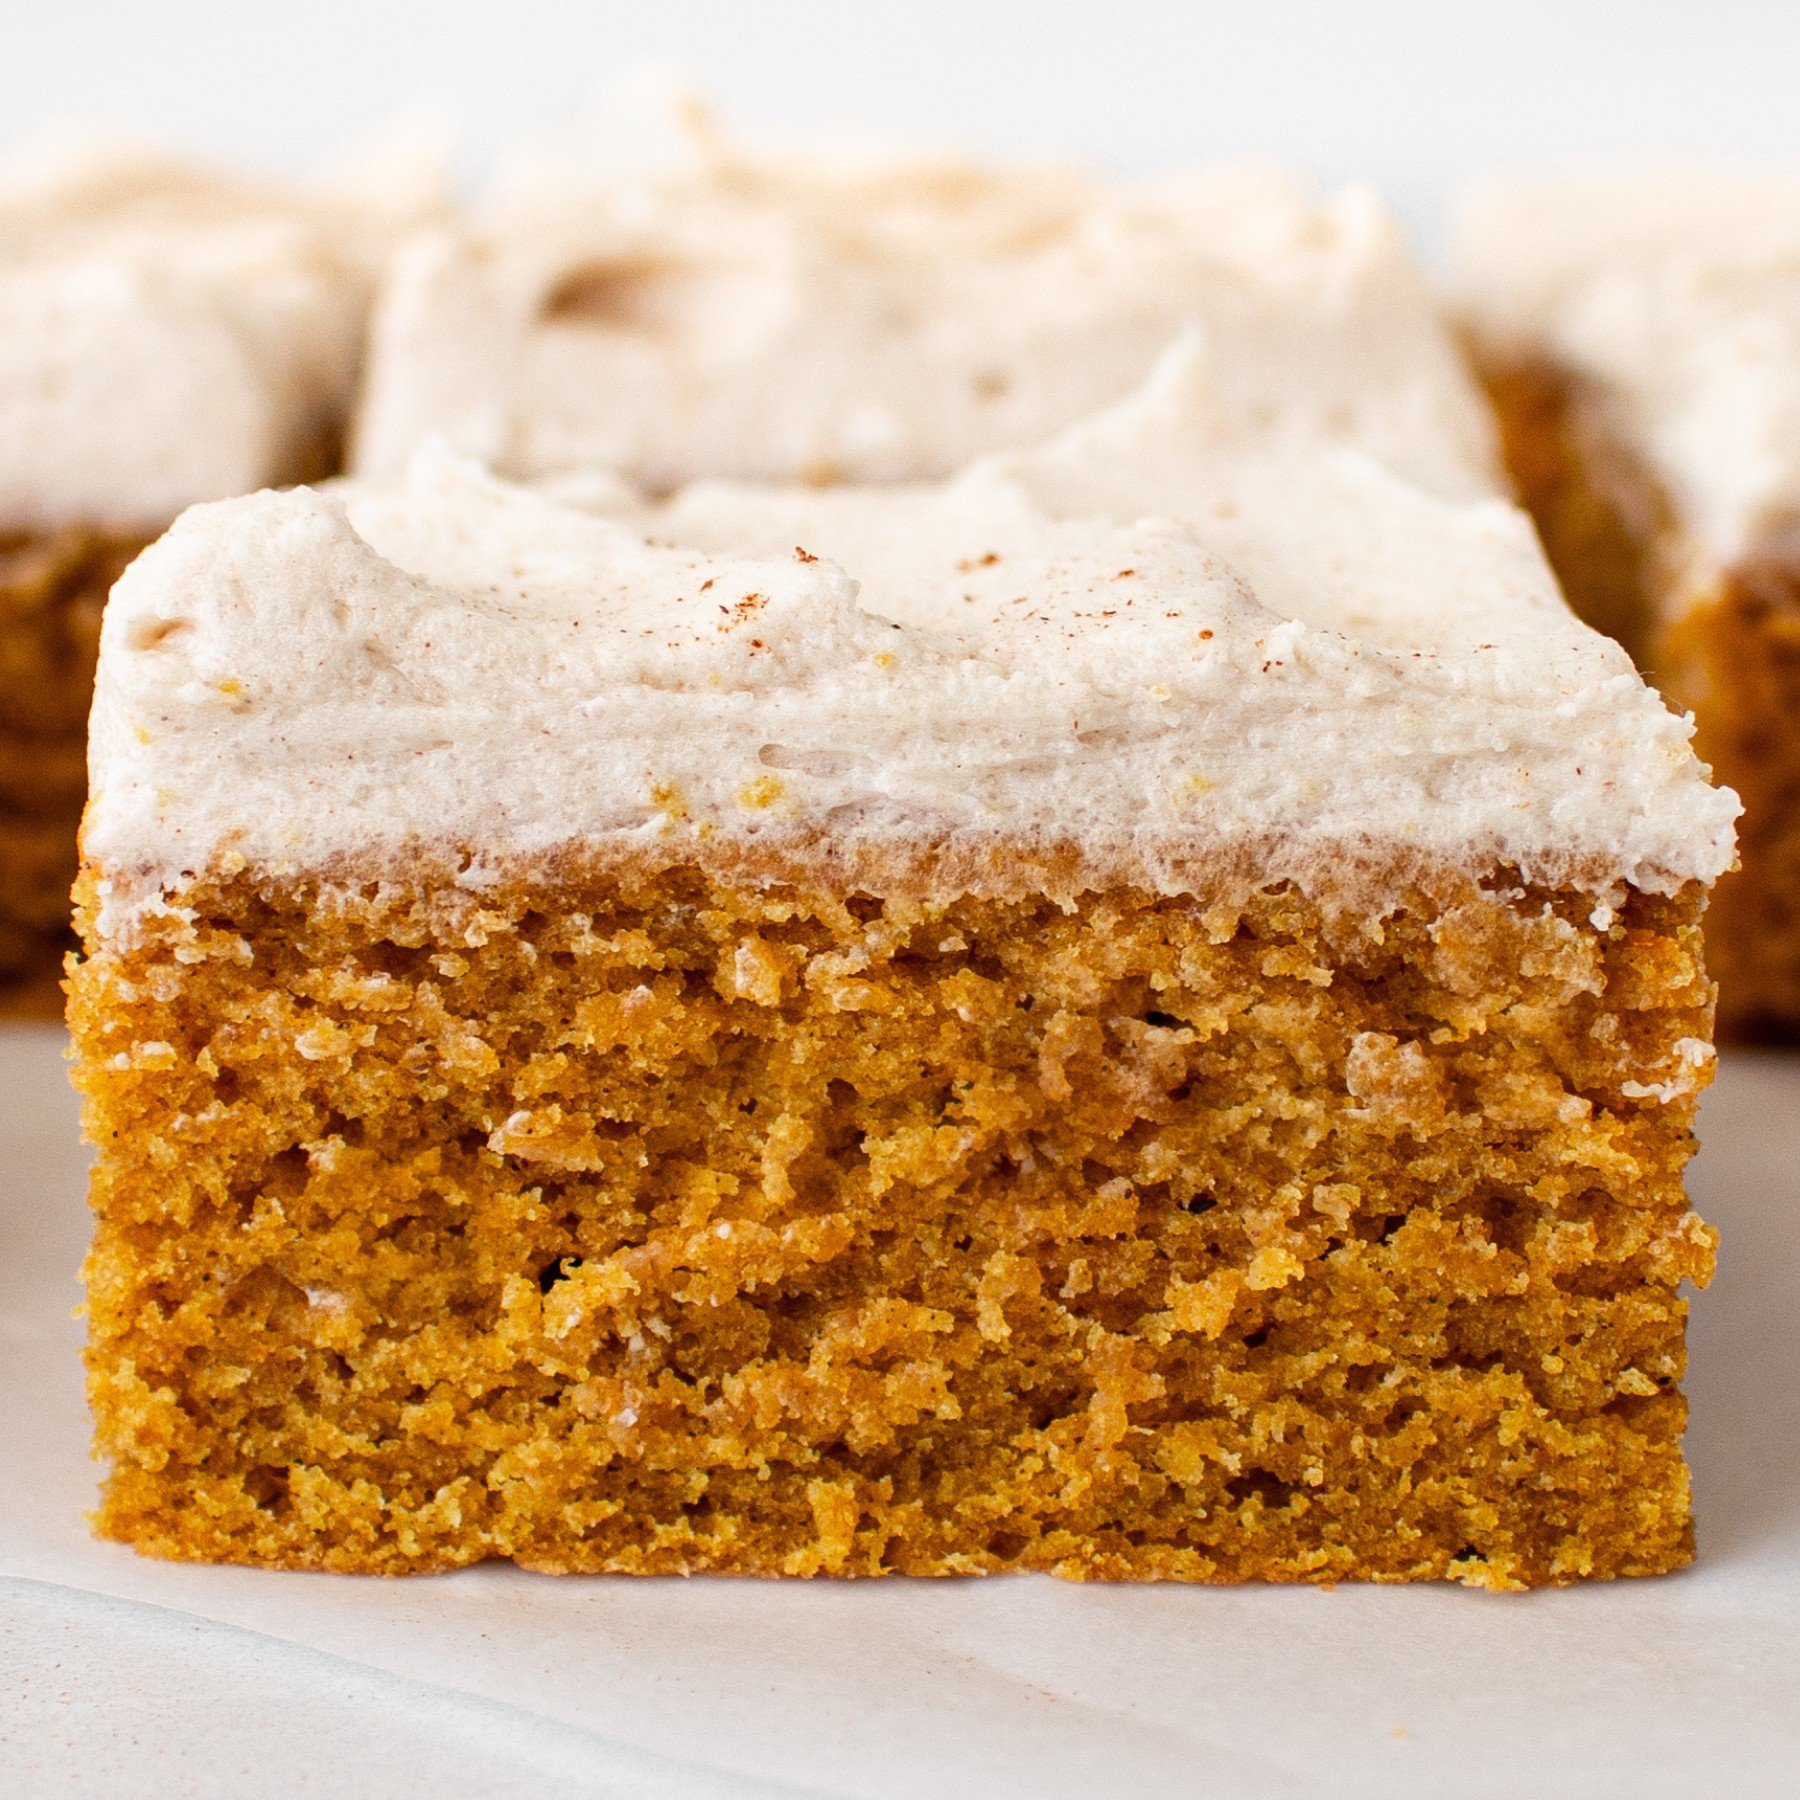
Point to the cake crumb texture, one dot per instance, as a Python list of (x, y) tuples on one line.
[(638, 1221), (52, 588)]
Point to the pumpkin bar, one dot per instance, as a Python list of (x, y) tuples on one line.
[(166, 335), (1641, 337), (1135, 1011)]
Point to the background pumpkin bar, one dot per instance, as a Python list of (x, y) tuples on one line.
[(1133, 1012), (1641, 336), (166, 336), (718, 311)]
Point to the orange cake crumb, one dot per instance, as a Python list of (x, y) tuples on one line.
[(648, 1221)]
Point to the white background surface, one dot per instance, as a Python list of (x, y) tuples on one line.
[(119, 1676), (123, 1676), (1415, 95)]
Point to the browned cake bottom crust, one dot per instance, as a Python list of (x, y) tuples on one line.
[(1727, 650), (52, 589), (646, 1222)]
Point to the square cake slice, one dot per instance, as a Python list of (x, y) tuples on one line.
[(1136, 1012), (1641, 337), (166, 336)]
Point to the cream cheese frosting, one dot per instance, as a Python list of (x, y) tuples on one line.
[(169, 336), (1164, 638), (722, 313), (1677, 294)]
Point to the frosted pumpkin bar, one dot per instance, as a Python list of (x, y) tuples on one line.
[(1136, 1012), (717, 310), (166, 336), (1641, 335)]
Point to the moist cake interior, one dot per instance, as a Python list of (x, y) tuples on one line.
[(648, 1222)]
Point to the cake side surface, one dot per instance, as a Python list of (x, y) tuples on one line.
[(643, 1222), (1733, 658), (52, 588)]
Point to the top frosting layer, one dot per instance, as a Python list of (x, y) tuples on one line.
[(1679, 294), (168, 336), (718, 314), (1165, 640)]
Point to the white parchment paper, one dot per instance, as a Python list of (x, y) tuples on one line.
[(119, 1675)]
